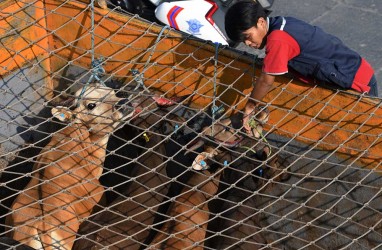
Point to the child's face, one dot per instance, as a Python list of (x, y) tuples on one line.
[(254, 37)]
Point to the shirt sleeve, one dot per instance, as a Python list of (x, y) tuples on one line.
[(280, 48)]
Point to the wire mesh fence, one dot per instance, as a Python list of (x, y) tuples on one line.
[(118, 133)]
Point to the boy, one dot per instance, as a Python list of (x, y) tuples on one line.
[(291, 44)]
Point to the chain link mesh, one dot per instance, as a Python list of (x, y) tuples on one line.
[(311, 182)]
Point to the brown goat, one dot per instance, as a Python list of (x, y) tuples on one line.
[(64, 187)]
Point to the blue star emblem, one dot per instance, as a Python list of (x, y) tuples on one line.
[(194, 26)]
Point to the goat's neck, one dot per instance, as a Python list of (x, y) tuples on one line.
[(210, 187), (93, 144)]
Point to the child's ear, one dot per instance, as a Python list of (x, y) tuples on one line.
[(261, 21), (63, 114)]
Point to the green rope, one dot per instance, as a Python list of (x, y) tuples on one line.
[(249, 149), (263, 139)]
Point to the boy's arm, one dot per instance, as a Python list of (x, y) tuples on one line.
[(261, 88)]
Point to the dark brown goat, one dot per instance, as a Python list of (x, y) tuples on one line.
[(187, 221), (239, 225), (189, 215)]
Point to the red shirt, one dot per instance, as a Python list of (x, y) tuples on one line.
[(282, 47)]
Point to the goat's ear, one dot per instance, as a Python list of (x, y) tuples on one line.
[(63, 114)]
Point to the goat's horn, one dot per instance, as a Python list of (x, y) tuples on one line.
[(65, 101), (195, 146)]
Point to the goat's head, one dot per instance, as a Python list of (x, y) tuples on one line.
[(214, 139), (249, 168), (97, 107), (256, 166), (246, 165)]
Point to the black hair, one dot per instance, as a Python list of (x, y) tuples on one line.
[(242, 16)]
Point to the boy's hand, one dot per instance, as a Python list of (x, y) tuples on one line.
[(246, 127), (248, 112), (255, 116)]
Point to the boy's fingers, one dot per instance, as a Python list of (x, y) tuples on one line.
[(246, 127)]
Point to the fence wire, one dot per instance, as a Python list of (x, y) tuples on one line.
[(119, 133)]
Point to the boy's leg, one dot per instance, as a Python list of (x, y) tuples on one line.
[(373, 87)]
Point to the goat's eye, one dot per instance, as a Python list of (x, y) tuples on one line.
[(91, 106)]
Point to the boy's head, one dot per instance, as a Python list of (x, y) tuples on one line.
[(246, 21)]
